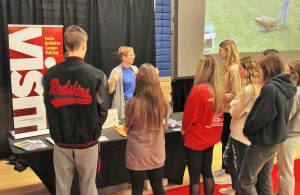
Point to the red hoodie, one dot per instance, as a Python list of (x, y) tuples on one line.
[(201, 128)]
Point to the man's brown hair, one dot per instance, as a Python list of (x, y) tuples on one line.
[(73, 37)]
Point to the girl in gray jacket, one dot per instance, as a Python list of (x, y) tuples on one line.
[(287, 149)]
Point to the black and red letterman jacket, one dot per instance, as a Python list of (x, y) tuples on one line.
[(76, 100)]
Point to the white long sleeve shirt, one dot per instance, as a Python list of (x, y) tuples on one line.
[(239, 110)]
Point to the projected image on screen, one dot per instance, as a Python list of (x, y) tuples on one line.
[(255, 25)]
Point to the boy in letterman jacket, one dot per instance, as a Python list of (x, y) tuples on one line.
[(76, 100)]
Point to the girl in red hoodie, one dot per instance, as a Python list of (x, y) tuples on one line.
[(202, 123)]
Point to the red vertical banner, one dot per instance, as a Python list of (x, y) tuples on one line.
[(33, 49)]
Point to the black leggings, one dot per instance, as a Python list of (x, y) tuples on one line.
[(199, 162), (137, 181), (225, 135)]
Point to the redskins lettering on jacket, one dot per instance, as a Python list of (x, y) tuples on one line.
[(68, 94), (76, 100)]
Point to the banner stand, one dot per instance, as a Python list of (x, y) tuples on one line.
[(33, 49)]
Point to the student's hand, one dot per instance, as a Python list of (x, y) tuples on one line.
[(182, 132), (125, 129)]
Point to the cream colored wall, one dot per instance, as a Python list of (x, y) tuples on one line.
[(190, 35)]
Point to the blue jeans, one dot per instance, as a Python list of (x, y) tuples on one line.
[(256, 172), (225, 135), (234, 155)]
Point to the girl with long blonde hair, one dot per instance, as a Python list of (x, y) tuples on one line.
[(240, 107), (231, 81), (231, 54), (202, 123), (146, 115)]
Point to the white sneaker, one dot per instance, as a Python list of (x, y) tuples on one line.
[(228, 190), (219, 172), (223, 179)]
